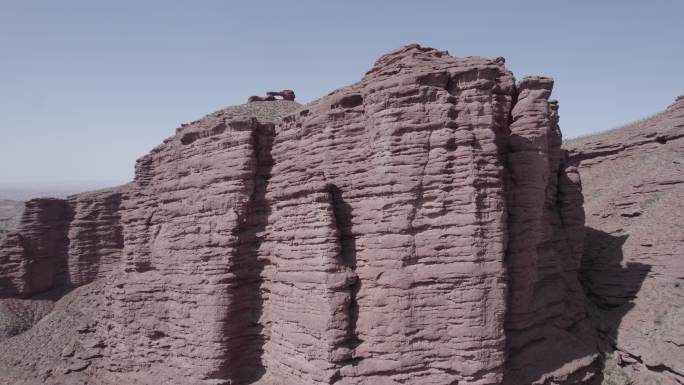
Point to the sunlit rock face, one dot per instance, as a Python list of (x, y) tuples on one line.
[(421, 226)]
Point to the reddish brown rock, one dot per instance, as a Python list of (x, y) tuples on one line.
[(545, 221), (632, 268), (387, 229), (182, 306), (284, 94), (34, 258), (61, 243), (316, 260), (273, 95), (18, 315), (95, 235), (421, 226)]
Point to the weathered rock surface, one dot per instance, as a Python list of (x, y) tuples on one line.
[(387, 228), (181, 308), (545, 221), (273, 95), (60, 243), (95, 235), (18, 315), (34, 258), (59, 348), (362, 239), (632, 268), (421, 226)]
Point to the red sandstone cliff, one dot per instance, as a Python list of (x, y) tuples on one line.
[(421, 226), (61, 243)]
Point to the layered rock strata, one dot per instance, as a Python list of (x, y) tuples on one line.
[(632, 268), (34, 258), (184, 308), (61, 243), (317, 260), (421, 226), (380, 254), (545, 220)]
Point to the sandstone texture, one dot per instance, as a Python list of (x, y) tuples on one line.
[(61, 243), (632, 268), (421, 226)]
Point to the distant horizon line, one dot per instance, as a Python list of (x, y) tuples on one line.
[(66, 183)]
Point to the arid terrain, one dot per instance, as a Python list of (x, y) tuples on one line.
[(426, 225), (10, 213), (632, 269)]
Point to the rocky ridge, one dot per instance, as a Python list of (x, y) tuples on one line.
[(422, 226), (632, 268)]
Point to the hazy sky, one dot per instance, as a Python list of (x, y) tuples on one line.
[(86, 87)]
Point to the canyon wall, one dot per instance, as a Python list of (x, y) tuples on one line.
[(61, 243), (34, 258), (421, 226), (387, 231), (546, 305), (182, 305), (632, 268)]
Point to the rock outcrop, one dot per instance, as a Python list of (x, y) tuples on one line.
[(273, 95), (421, 226), (632, 268), (95, 235), (545, 221), (34, 258), (60, 243), (181, 307)]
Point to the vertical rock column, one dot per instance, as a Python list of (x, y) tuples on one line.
[(307, 314), (185, 306), (403, 279), (545, 225), (62, 243), (95, 235), (36, 255), (13, 267)]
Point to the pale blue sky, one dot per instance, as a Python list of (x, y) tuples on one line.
[(86, 87)]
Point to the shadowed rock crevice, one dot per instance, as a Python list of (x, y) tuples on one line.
[(545, 227), (243, 326), (458, 263), (611, 285), (35, 257), (342, 212), (95, 235), (632, 270), (412, 258)]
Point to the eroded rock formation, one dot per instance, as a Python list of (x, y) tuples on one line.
[(61, 243), (273, 95), (546, 305), (422, 226), (632, 268)]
